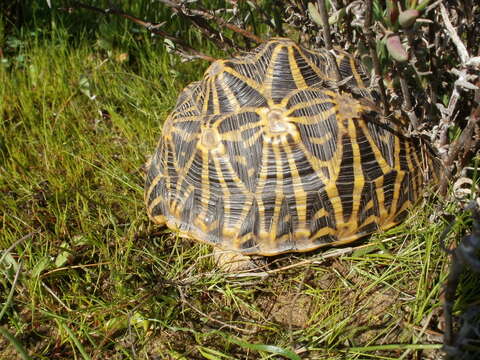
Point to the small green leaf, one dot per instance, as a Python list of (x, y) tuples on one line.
[(408, 17), (77, 342), (138, 320), (272, 349), (422, 5), (212, 354), (337, 16), (64, 256), (41, 265), (84, 87), (115, 324), (396, 49), (314, 14)]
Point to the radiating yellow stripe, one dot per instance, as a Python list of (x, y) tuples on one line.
[(302, 105), (250, 82), (376, 151), (230, 95), (321, 141), (297, 75), (154, 203), (179, 117), (396, 155), (266, 87), (396, 192), (279, 195), (309, 120), (355, 73), (226, 194), (153, 184), (177, 205), (262, 179), (358, 178), (382, 212), (216, 103), (322, 232), (316, 163), (322, 75), (206, 98), (300, 194), (318, 215), (204, 194)]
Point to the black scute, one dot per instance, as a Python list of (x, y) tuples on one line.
[(160, 191), (368, 194), (310, 76), (383, 138), (389, 181), (282, 78), (320, 200), (345, 180), (241, 146), (251, 223), (245, 94), (183, 149), (370, 167), (223, 101), (190, 209), (216, 209)]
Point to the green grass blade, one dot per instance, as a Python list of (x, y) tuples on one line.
[(20, 349), (211, 354), (272, 349), (76, 342), (396, 347), (10, 294)]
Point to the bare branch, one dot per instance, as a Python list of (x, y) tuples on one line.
[(322, 9), (328, 38), (153, 28), (407, 102), (461, 49), (373, 54), (207, 15), (465, 138)]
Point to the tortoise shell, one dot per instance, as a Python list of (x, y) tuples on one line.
[(269, 154)]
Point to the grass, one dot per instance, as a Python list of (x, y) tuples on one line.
[(85, 275)]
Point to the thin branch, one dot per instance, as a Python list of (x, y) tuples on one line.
[(322, 9), (328, 38), (56, 297), (222, 22), (465, 138), (407, 102), (207, 15), (373, 54), (23, 238), (461, 49), (153, 28)]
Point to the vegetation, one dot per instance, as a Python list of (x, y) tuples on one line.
[(85, 275)]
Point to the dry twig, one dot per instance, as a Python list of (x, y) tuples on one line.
[(463, 82), (208, 15), (328, 38), (185, 50), (463, 256), (367, 28)]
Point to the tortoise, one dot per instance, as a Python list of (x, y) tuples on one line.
[(271, 153)]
